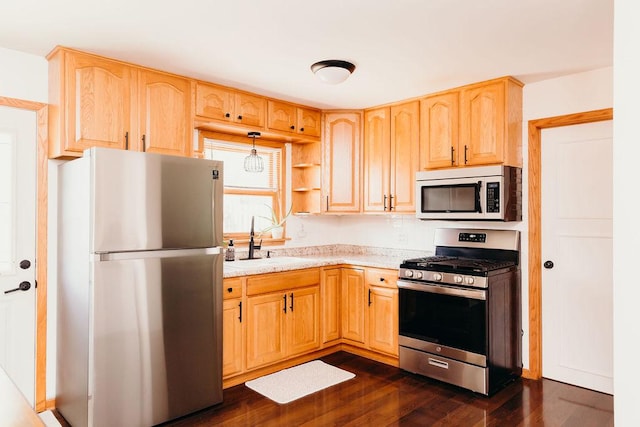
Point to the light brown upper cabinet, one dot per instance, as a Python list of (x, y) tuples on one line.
[(473, 125), (341, 162), (164, 115), (285, 117), (98, 102), (90, 103), (391, 156), (227, 105), (439, 123)]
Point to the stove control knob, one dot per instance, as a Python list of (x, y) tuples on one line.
[(469, 280), (418, 274), (408, 273), (437, 277), (457, 279)]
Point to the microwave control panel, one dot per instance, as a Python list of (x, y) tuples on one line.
[(493, 197)]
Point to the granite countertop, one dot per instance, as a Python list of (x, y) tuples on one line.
[(318, 256)]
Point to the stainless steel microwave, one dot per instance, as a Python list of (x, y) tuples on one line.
[(481, 193)]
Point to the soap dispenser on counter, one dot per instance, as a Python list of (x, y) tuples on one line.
[(230, 254)]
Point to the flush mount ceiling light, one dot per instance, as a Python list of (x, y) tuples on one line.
[(333, 71), (253, 162)]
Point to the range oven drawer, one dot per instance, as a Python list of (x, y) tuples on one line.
[(474, 378)]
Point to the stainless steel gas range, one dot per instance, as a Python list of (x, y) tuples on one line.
[(460, 310)]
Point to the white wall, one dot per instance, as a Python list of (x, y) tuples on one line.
[(626, 234), (23, 76)]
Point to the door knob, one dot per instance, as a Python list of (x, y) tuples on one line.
[(24, 264), (548, 264), (23, 286)]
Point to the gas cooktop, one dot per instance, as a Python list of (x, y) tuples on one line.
[(454, 264)]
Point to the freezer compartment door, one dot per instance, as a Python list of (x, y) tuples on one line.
[(145, 201), (157, 337)]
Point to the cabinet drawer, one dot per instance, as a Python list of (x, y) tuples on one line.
[(274, 282), (381, 277), (232, 288)]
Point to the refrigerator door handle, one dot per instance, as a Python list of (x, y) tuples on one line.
[(171, 253)]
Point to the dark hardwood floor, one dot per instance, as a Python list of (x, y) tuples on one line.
[(381, 395)]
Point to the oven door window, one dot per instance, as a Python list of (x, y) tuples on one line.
[(451, 198), (452, 321)]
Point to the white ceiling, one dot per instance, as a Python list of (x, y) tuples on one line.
[(401, 48)]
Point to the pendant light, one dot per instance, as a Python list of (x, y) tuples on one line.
[(253, 162)]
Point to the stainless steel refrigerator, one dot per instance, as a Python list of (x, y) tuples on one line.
[(139, 304)]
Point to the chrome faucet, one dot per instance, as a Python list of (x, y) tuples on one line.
[(252, 245)]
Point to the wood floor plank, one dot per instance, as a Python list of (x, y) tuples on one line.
[(383, 395)]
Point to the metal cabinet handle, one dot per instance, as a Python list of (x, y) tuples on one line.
[(126, 140), (291, 306), (465, 154), (25, 264), (292, 127), (227, 115), (285, 303), (240, 316), (452, 161), (391, 207), (369, 297), (23, 286), (301, 129), (327, 203), (384, 203), (144, 143), (239, 117)]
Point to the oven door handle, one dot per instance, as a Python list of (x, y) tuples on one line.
[(443, 290)]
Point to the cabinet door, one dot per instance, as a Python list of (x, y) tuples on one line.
[(303, 320), (250, 110), (439, 131), (405, 156), (98, 103), (341, 163), (376, 159), (232, 337), (482, 124), (383, 319), (165, 118), (281, 116), (330, 305), (309, 122), (265, 329), (353, 308), (214, 102)]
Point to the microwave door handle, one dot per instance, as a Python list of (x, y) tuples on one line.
[(478, 204)]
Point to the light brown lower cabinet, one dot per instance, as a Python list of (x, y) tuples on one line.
[(232, 332), (382, 310), (283, 316), (353, 305), (232, 337), (331, 304), (271, 318)]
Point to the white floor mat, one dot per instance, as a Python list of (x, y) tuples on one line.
[(293, 383)]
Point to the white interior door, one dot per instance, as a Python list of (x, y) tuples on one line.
[(577, 290), (17, 247)]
